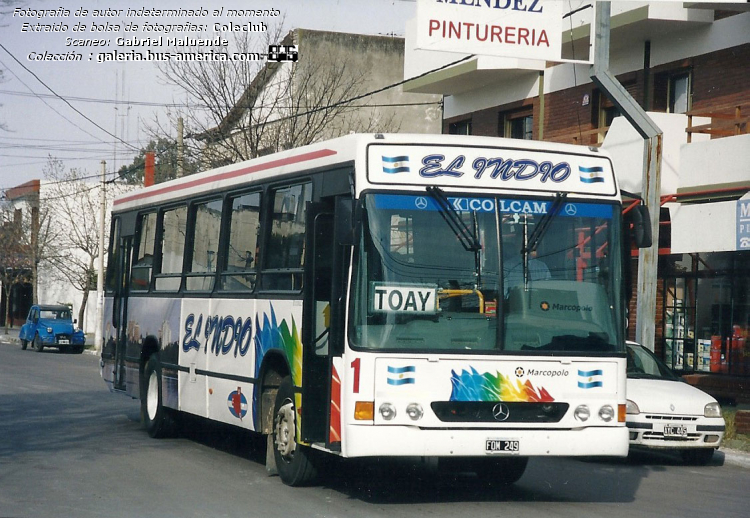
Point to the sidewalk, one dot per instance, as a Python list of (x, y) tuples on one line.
[(11, 337)]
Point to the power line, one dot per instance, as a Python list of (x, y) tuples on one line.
[(79, 112)]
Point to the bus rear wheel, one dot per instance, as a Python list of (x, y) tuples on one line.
[(158, 420), (293, 460)]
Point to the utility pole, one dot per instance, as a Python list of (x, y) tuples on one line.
[(645, 328), (100, 273), (180, 148)]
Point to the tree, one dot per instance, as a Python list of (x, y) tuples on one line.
[(241, 109), (14, 258), (74, 206), (166, 167)]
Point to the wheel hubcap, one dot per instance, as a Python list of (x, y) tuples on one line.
[(285, 432), (152, 396)]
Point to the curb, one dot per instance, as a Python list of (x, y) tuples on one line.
[(736, 457)]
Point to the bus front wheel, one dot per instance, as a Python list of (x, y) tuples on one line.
[(293, 460), (156, 418), (500, 471)]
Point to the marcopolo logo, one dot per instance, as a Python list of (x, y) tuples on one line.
[(546, 373)]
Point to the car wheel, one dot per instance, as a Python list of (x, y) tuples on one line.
[(293, 460), (500, 471), (38, 345), (24, 344), (158, 420), (698, 457)]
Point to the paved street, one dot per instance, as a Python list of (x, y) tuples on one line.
[(70, 448)]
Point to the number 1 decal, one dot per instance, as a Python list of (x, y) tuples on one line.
[(355, 366)]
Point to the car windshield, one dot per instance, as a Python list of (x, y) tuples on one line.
[(464, 276), (54, 314), (642, 363)]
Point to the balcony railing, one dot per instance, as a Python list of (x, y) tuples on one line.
[(726, 121)]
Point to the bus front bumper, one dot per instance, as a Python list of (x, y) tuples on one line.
[(405, 441)]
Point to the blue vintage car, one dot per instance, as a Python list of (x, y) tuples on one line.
[(51, 326)]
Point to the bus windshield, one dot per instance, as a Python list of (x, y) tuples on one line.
[(487, 274)]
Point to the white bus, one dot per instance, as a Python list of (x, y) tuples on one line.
[(450, 297)]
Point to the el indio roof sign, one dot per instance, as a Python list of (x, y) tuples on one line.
[(530, 29)]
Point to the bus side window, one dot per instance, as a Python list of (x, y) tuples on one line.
[(284, 256), (173, 228), (205, 239), (240, 267), (140, 277)]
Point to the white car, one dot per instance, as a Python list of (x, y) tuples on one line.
[(664, 412)]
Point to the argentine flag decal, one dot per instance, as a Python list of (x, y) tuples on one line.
[(591, 174), (395, 164), (589, 379), (401, 375)]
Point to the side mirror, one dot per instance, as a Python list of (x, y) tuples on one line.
[(642, 226), (75, 320)]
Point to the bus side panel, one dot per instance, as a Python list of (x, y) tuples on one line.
[(108, 347), (153, 321), (230, 352)]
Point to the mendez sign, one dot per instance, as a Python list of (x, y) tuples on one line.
[(743, 224), (529, 29)]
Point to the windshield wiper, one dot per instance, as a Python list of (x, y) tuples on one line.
[(466, 236), (541, 228)]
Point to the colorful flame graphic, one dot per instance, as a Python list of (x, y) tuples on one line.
[(472, 386), (274, 335)]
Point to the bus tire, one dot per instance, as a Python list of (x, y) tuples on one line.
[(293, 460), (38, 345), (158, 420), (501, 471)]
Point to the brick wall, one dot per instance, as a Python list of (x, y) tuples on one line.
[(719, 79)]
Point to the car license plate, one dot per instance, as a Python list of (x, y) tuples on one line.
[(675, 431), (507, 446), (64, 341)]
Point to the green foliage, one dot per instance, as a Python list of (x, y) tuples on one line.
[(166, 165)]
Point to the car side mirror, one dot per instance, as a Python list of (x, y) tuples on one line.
[(75, 320)]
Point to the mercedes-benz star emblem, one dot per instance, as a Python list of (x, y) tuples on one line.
[(421, 203), (500, 412), (570, 209)]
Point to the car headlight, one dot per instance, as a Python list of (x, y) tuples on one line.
[(712, 410), (49, 330), (631, 408)]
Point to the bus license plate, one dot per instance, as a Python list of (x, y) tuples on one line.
[(507, 446), (675, 431)]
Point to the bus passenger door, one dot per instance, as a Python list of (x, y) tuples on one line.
[(120, 309), (316, 320)]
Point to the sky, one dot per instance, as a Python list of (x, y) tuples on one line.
[(106, 105)]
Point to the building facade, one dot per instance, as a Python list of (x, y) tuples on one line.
[(685, 64)]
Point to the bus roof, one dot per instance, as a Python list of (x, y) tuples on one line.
[(534, 160)]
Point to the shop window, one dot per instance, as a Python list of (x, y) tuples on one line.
[(460, 128), (707, 314)]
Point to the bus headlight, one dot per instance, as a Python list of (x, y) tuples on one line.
[(414, 411), (387, 411), (606, 413), (582, 413)]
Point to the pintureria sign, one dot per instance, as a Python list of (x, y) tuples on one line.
[(529, 29)]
